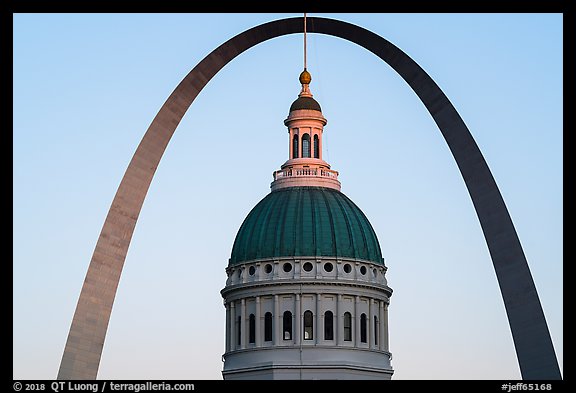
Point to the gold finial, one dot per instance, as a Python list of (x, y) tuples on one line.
[(305, 77)]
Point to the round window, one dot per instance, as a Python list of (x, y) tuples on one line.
[(328, 267), (287, 267), (347, 268), (363, 270), (268, 269), (307, 267), (252, 270)]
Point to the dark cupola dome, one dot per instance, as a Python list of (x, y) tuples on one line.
[(305, 103)]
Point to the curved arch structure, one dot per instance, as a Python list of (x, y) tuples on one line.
[(532, 340)]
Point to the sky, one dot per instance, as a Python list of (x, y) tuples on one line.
[(87, 86)]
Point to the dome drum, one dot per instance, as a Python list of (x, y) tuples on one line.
[(283, 327)]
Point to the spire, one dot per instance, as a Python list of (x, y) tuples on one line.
[(304, 41), (305, 77)]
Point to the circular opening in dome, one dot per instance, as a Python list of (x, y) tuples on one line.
[(363, 270), (307, 266), (287, 267), (375, 272), (240, 273), (347, 268), (328, 267), (268, 269), (252, 270)]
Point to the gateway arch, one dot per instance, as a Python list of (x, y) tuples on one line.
[(532, 341)]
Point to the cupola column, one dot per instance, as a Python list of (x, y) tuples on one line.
[(290, 143)]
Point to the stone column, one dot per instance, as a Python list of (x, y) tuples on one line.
[(243, 324), (227, 326), (383, 327), (385, 323), (320, 132), (312, 134), (232, 326), (370, 324), (277, 321), (311, 149), (357, 321), (297, 320), (291, 143), (258, 322), (319, 319), (339, 326)]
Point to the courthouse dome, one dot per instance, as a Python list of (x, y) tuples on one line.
[(306, 222)]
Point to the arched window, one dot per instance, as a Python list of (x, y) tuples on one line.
[(287, 325), (363, 326), (268, 326), (375, 330), (328, 325), (316, 147), (308, 325), (239, 330), (306, 146), (252, 329), (295, 147), (347, 326)]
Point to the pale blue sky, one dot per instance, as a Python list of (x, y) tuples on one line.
[(86, 87)]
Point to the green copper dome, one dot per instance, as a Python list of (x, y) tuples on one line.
[(306, 222)]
